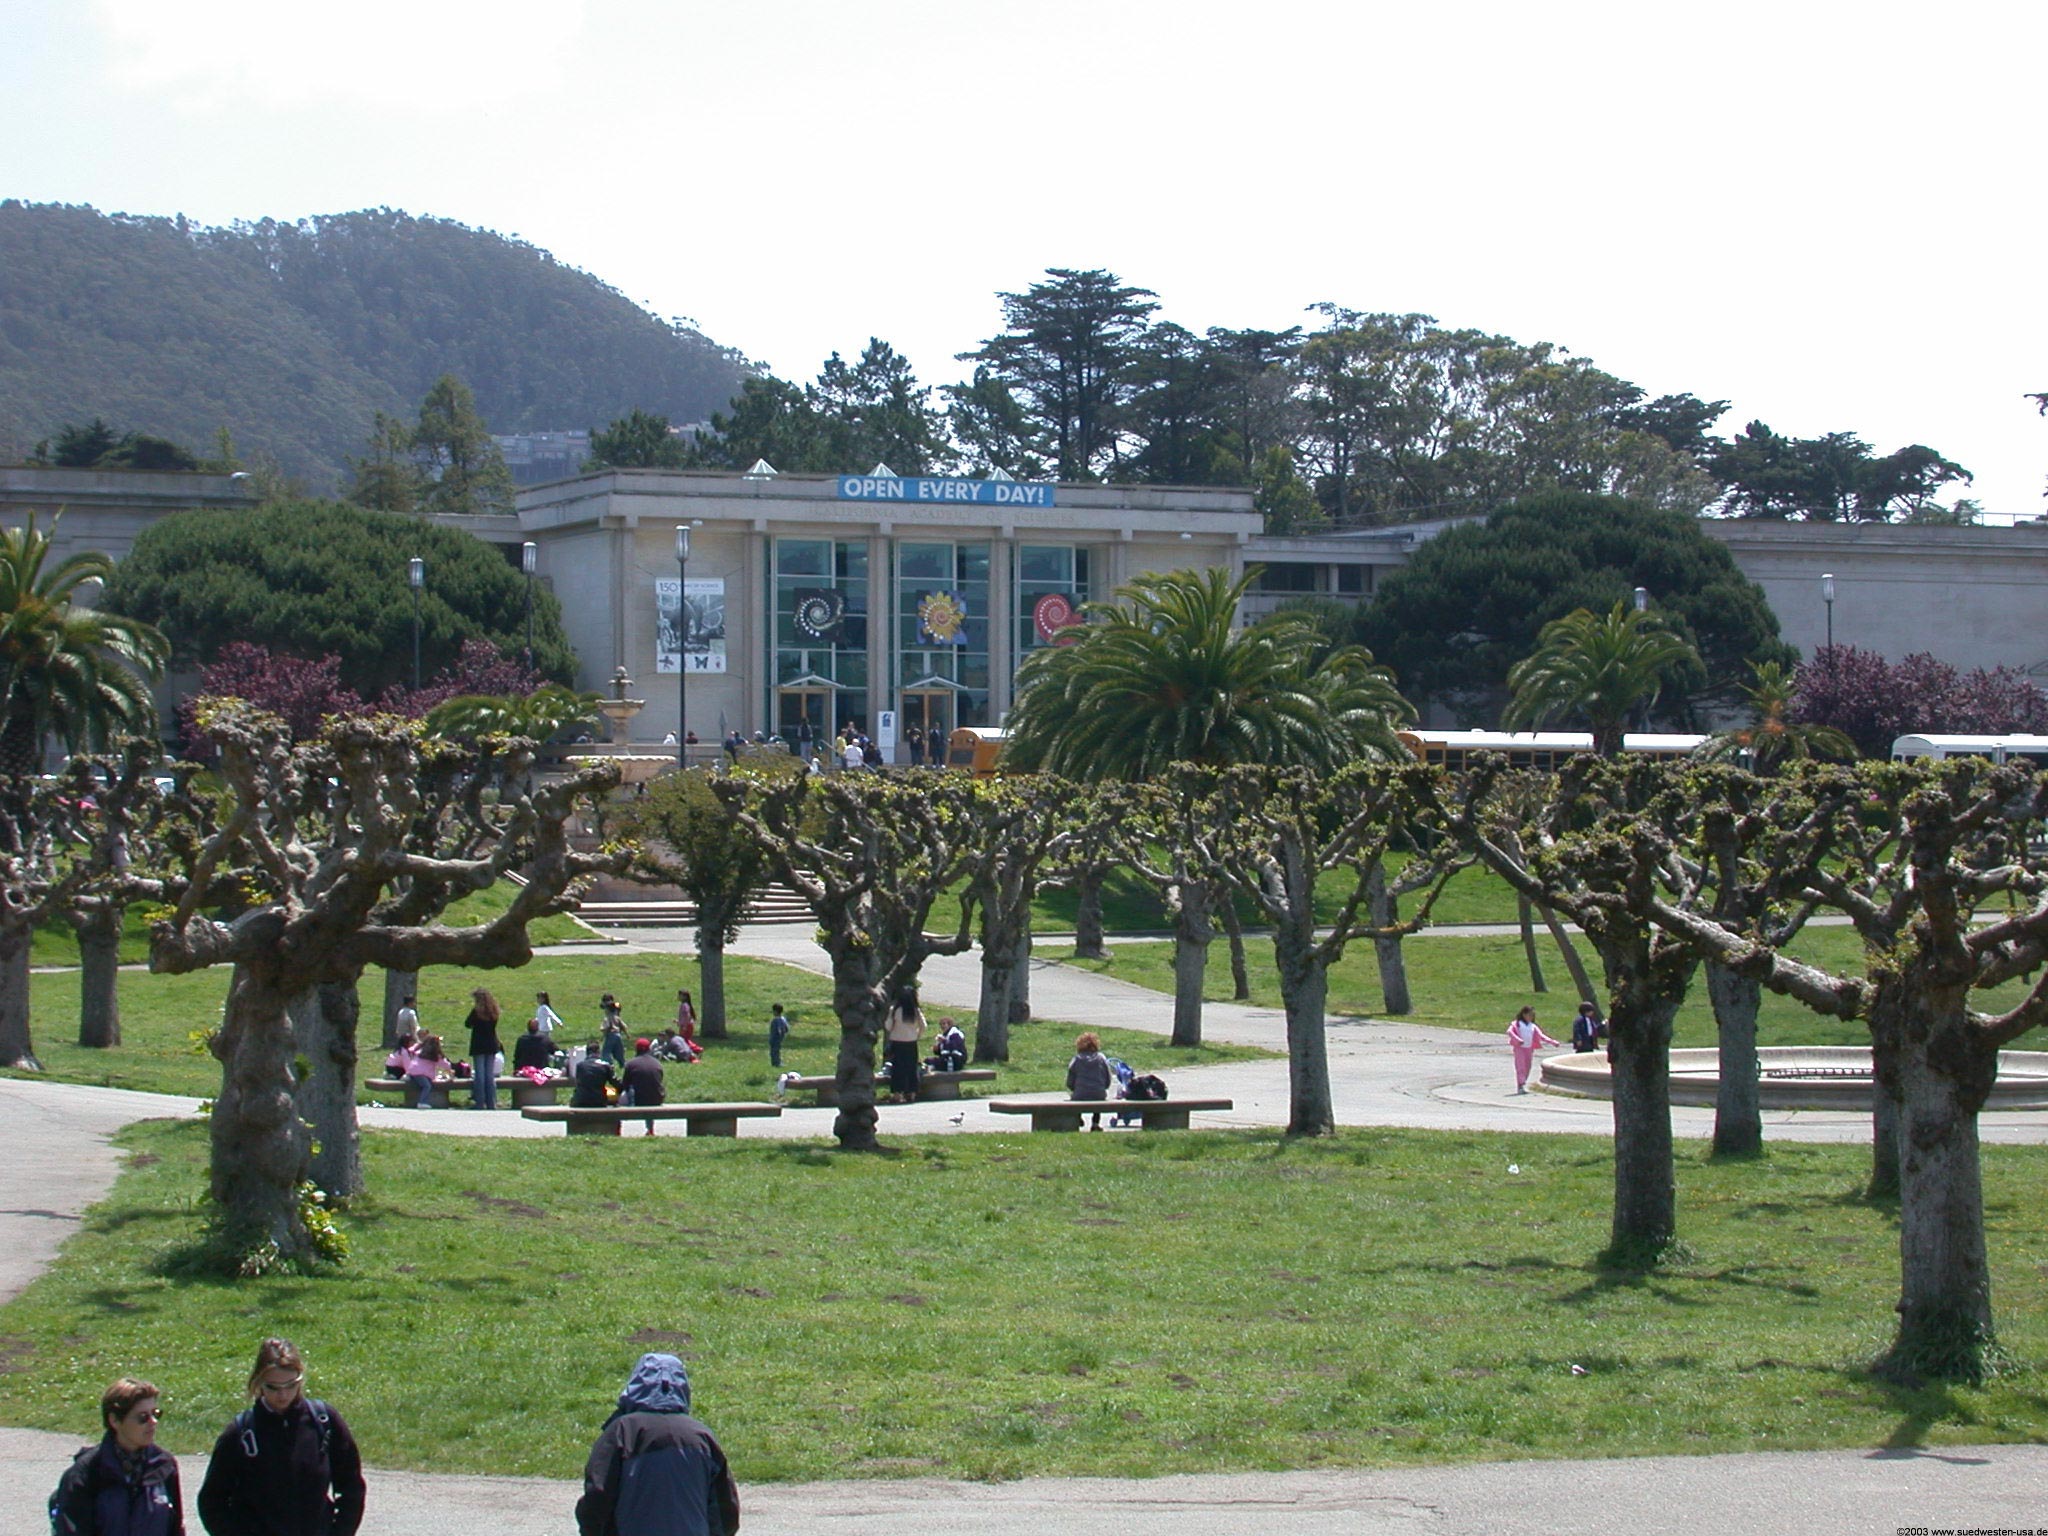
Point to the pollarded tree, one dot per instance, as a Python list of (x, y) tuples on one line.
[(1601, 669), (869, 853), (1028, 822), (1280, 835), (1952, 840), (318, 836), (690, 839)]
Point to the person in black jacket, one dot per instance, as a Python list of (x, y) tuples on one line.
[(286, 1465), (642, 1079), (486, 1050), (127, 1485), (654, 1470), (532, 1049), (592, 1076)]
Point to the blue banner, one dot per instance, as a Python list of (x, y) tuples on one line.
[(990, 493)]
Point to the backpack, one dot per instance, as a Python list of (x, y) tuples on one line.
[(72, 1474), (1145, 1087), (244, 1426)]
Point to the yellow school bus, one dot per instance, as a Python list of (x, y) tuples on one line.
[(975, 747)]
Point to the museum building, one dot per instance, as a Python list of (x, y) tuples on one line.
[(823, 599)]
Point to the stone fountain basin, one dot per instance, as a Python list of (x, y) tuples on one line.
[(1794, 1077)]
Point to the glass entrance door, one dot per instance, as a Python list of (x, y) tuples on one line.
[(803, 718), (929, 712)]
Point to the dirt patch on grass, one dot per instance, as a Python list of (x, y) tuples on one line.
[(653, 1336), (500, 1203)]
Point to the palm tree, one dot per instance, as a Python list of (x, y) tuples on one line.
[(1772, 739), (1600, 668), (538, 716), (1164, 676), (66, 671)]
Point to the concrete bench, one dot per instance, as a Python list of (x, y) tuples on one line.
[(1066, 1114), (932, 1085), (698, 1119), (513, 1092)]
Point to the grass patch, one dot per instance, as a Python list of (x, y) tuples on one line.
[(1000, 1306), (1478, 981), (56, 944), (159, 1014)]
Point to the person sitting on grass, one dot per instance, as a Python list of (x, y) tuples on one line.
[(1089, 1074)]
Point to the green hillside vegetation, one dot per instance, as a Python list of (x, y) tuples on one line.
[(293, 336)]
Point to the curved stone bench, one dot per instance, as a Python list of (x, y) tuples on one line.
[(1793, 1077)]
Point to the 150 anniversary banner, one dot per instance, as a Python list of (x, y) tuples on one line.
[(689, 624)]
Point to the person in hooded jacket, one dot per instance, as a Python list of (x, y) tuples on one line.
[(1089, 1074), (286, 1465), (127, 1485), (654, 1470)]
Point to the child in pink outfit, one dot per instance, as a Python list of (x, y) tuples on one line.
[(1525, 1036)]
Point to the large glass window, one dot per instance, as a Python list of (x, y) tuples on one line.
[(819, 600), (1046, 571), (942, 623)]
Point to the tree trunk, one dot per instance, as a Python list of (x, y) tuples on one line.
[(1645, 1199), (1304, 992), (99, 977), (857, 998), (1573, 965), (1525, 914), (1240, 978), (1020, 974), (1383, 911), (16, 1048), (398, 986), (1944, 1329), (260, 1146), (324, 1023), (1191, 938), (711, 984), (1738, 1119), (1885, 1023), (992, 1013), (1089, 942)]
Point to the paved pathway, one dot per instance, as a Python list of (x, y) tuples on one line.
[(57, 1161)]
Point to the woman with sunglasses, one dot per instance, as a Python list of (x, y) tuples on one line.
[(286, 1465), (127, 1485)]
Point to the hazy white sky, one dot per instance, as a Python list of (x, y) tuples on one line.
[(1828, 214)]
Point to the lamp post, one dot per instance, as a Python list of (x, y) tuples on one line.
[(529, 557), (1827, 597), (415, 577), (682, 645), (1642, 599)]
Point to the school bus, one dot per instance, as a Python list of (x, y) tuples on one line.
[(975, 748)]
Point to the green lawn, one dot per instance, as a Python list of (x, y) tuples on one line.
[(159, 1014), (1007, 1305), (55, 944), (1477, 982)]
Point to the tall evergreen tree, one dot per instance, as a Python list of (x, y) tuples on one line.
[(466, 472)]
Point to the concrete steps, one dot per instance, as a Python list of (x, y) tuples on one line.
[(777, 904)]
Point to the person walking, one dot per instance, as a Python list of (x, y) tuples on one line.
[(1089, 1074), (286, 1465), (1526, 1037), (642, 1080), (486, 1050), (127, 1485), (654, 1470), (545, 1015), (614, 1042), (901, 1032), (1588, 1029)]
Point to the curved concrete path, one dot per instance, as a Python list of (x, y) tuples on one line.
[(58, 1161)]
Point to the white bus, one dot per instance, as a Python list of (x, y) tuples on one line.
[(1535, 749), (2000, 749)]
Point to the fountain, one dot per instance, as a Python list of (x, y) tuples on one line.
[(635, 767), (1793, 1077)]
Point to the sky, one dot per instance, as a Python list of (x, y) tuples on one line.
[(1830, 215)]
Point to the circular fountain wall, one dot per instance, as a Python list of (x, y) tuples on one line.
[(1793, 1077)]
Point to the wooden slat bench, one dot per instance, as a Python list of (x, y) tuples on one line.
[(932, 1085), (1066, 1114), (513, 1092), (698, 1119)]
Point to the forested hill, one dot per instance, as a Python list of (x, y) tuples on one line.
[(294, 335)]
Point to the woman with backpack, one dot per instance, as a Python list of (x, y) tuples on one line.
[(127, 1485), (286, 1465)]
